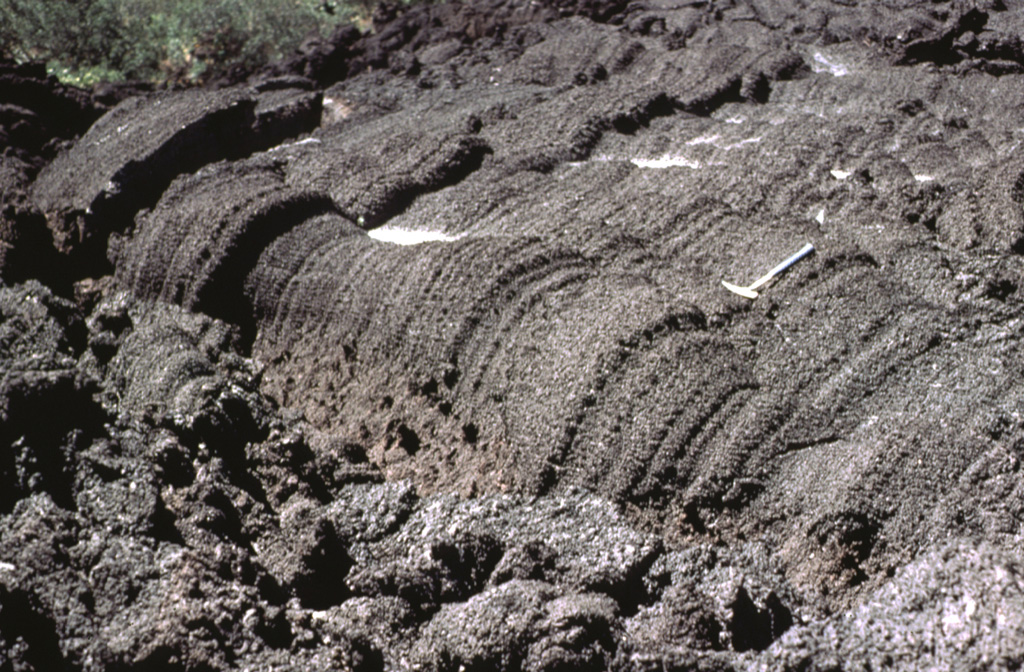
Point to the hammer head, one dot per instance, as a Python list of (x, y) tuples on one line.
[(745, 292)]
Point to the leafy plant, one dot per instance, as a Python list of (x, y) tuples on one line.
[(187, 41)]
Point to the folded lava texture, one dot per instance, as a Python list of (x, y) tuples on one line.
[(412, 351)]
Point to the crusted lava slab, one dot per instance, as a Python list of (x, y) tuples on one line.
[(127, 159), (415, 354)]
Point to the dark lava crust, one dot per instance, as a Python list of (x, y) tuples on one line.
[(244, 424)]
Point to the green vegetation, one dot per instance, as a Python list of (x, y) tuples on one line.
[(184, 41)]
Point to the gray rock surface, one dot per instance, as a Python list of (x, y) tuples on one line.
[(412, 352), (950, 608), (129, 157)]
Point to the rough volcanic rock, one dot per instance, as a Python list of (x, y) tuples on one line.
[(951, 608), (521, 625), (416, 355), (405, 36), (252, 207), (126, 160), (37, 112), (41, 336), (604, 215), (37, 115), (26, 247)]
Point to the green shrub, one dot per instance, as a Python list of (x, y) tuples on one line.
[(187, 41)]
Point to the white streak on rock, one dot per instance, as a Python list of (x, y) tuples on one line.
[(705, 140), (747, 141), (822, 64), (298, 143), (405, 237), (666, 162)]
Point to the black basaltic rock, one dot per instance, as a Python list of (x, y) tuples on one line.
[(36, 116), (412, 351), (127, 159)]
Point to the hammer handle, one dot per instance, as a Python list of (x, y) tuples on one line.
[(792, 259)]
